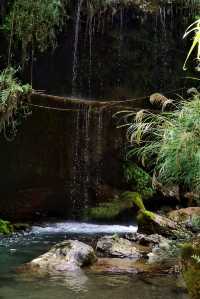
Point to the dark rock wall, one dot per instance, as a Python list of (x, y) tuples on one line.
[(56, 162)]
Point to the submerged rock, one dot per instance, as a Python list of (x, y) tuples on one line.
[(114, 246), (66, 256), (120, 265)]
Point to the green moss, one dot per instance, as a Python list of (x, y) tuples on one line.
[(145, 216), (108, 210), (139, 179), (133, 197), (192, 280), (6, 227)]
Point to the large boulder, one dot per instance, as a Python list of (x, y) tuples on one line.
[(66, 256), (114, 246), (152, 223)]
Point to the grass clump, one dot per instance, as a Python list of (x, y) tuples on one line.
[(170, 143)]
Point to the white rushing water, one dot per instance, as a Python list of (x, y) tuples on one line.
[(82, 228)]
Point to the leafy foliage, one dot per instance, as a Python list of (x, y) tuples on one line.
[(170, 142), (139, 179), (34, 24), (12, 105), (195, 222), (196, 258)]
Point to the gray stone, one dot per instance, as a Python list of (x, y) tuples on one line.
[(146, 240), (114, 246), (66, 256)]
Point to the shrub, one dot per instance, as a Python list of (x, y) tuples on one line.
[(6, 227), (139, 179)]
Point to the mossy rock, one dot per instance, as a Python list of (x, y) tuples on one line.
[(108, 210), (113, 208), (152, 223), (6, 228)]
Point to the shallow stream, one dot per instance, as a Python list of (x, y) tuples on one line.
[(83, 284)]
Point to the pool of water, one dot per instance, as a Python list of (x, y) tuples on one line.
[(74, 285)]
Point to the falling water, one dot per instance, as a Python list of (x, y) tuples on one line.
[(76, 167), (91, 30), (76, 41), (80, 175), (99, 147), (86, 154), (120, 46)]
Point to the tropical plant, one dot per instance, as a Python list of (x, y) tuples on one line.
[(193, 28)]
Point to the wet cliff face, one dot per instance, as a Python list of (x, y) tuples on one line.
[(124, 51), (58, 162), (61, 157)]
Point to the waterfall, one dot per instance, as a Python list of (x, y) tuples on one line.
[(76, 167), (76, 42), (99, 147), (86, 154), (90, 51), (121, 25), (80, 174)]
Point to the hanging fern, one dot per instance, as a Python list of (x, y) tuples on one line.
[(12, 102), (34, 24)]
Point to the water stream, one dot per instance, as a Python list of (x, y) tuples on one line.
[(84, 284)]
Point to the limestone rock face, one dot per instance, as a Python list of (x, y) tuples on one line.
[(66, 256), (117, 247)]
